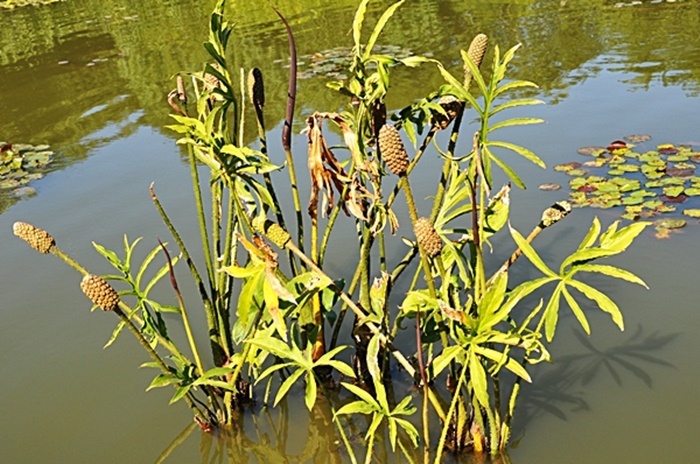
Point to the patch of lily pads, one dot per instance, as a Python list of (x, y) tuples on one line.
[(333, 63), (11, 4), (658, 182), (20, 164)]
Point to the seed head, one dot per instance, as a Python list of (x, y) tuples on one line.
[(451, 105), (37, 238), (100, 292), (555, 213), (392, 149), (476, 52), (427, 237), (273, 231)]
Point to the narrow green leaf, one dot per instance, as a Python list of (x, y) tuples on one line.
[(162, 380), (356, 407), (499, 357), (519, 84), (383, 19), (551, 313), (612, 271), (512, 175), (145, 263), (602, 300), (530, 252), (310, 392), (459, 90), (475, 72), (576, 309), (357, 25), (514, 104), (522, 151), (621, 239), (445, 358), (274, 346), (514, 122), (583, 256), (286, 385), (591, 235), (477, 374), (362, 394), (179, 393)]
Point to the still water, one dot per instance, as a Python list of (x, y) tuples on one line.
[(90, 79)]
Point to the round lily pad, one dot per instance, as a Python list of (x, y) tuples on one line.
[(668, 223), (567, 166), (680, 172), (637, 138), (591, 151), (694, 213)]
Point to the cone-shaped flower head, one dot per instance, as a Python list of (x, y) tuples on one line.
[(37, 238), (476, 52), (100, 292), (427, 237), (392, 149), (273, 231)]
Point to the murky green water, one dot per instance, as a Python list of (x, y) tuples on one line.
[(90, 78)]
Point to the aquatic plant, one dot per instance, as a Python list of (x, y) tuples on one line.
[(276, 318)]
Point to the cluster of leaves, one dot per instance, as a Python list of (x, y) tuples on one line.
[(646, 183)]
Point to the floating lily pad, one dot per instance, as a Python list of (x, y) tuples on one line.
[(677, 199), (577, 172), (567, 166), (694, 213), (678, 158), (692, 191), (549, 187), (637, 138), (667, 149), (681, 172), (628, 167), (668, 223), (591, 151), (673, 190), (615, 172)]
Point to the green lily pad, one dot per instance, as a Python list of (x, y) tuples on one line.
[(650, 155), (642, 193), (577, 172), (615, 172), (628, 167), (591, 151), (673, 190), (668, 223), (678, 158), (632, 200), (694, 213), (565, 167), (692, 191)]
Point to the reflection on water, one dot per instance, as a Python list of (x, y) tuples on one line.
[(90, 79)]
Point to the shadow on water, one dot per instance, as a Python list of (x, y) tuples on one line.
[(561, 390)]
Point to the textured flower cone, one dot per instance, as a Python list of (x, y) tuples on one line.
[(427, 237), (392, 149), (37, 238), (555, 213), (451, 105), (256, 88), (100, 292), (476, 52), (274, 232)]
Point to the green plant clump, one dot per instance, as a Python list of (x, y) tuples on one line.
[(277, 319)]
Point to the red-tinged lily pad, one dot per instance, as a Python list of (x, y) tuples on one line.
[(549, 187), (680, 172), (694, 213), (695, 157), (591, 151), (679, 199), (567, 166), (587, 188), (616, 145), (637, 138), (667, 149)]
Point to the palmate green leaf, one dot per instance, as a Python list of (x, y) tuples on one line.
[(383, 19), (404, 408), (514, 122), (576, 309), (280, 349), (612, 271), (507, 362), (530, 252), (602, 300), (522, 151), (340, 366)]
